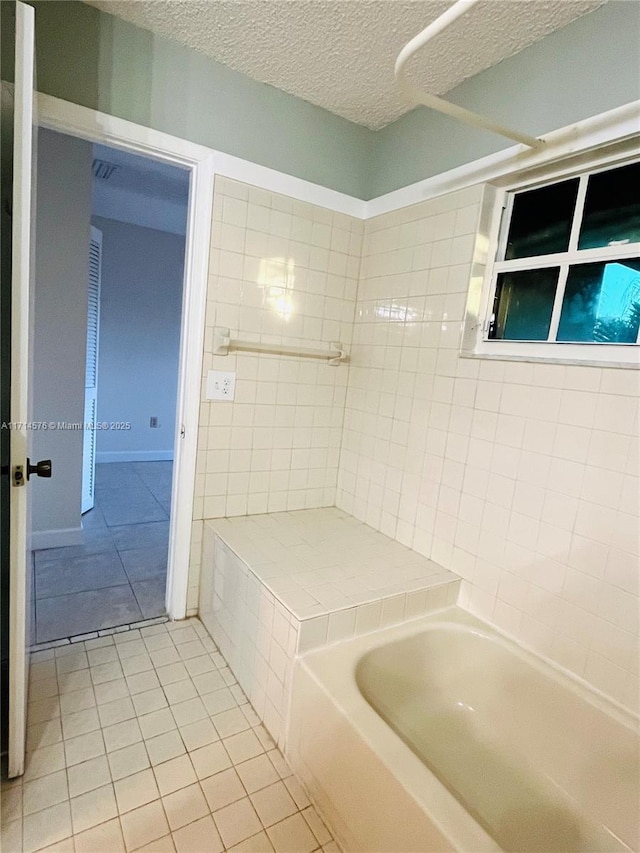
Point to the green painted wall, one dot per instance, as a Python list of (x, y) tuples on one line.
[(586, 68), (98, 61)]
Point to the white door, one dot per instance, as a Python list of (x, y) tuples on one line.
[(21, 298), (91, 373)]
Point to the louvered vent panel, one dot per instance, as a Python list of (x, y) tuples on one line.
[(93, 314), (91, 449)]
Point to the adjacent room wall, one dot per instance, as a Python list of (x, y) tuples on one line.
[(586, 68), (280, 271), (60, 338), (140, 319), (96, 60), (520, 477)]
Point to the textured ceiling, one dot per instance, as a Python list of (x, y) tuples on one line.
[(339, 54)]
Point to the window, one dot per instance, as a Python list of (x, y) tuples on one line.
[(565, 283)]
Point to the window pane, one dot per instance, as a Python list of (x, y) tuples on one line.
[(612, 208), (602, 303), (541, 220), (523, 305)]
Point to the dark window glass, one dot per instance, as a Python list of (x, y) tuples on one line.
[(602, 303), (612, 208), (523, 305), (541, 220)]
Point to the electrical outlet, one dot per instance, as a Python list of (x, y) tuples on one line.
[(153, 422), (221, 385)]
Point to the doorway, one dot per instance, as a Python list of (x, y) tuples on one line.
[(100, 553)]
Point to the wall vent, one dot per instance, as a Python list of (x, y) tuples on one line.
[(103, 169)]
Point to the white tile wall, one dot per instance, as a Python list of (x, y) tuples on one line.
[(522, 478), (281, 271), (278, 585)]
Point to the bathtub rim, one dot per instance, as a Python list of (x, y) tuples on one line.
[(333, 670)]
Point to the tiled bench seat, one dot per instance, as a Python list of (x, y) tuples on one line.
[(275, 586)]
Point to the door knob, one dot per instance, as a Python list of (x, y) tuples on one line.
[(40, 469)]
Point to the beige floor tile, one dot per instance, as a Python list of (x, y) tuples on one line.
[(131, 649), (184, 634), (44, 734), (297, 792), (72, 661), (88, 776), (105, 654), (136, 790), (111, 671), (198, 837), (222, 789), (110, 691), (144, 825), (93, 808), (172, 672), (140, 682), (78, 680), (164, 747), (190, 650), (46, 827), (256, 844), (43, 761), (164, 657), (117, 711), (43, 709), (257, 773), (82, 748), (230, 722), (273, 804), (208, 682), (237, 822), (210, 759), (137, 664), (157, 641), (80, 723), (41, 793), (156, 723), (131, 759), (189, 712), (11, 800), (198, 734), (243, 746), (105, 838), (179, 691), (149, 701), (219, 700), (199, 665), (161, 845), (11, 835), (292, 835), (279, 763), (174, 774), (64, 846), (44, 688), (121, 734), (44, 669), (77, 700), (185, 806), (316, 825)]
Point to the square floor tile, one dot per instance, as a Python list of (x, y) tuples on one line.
[(82, 748), (199, 733), (292, 835), (43, 761), (46, 827), (189, 711), (41, 793), (222, 789), (237, 822), (80, 723), (117, 711), (129, 760), (198, 836), (257, 773), (184, 806), (209, 760), (156, 723), (88, 775), (174, 774), (164, 747), (121, 735), (93, 808), (105, 838), (243, 746), (136, 790), (143, 825), (273, 803)]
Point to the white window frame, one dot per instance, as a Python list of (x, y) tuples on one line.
[(495, 215)]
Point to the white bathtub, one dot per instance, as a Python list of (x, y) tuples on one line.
[(441, 734)]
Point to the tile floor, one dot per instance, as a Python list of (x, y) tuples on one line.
[(118, 575), (144, 741)]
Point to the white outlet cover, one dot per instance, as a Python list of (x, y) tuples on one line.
[(221, 385)]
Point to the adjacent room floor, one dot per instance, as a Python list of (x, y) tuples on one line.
[(118, 575), (143, 741)]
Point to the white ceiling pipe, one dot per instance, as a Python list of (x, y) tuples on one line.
[(419, 96)]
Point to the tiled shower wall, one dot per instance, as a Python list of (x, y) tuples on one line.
[(281, 271), (522, 478)]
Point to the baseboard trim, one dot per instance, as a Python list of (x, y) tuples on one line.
[(134, 456), (56, 538)]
